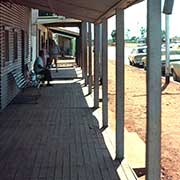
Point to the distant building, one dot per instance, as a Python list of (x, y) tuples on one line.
[(40, 36), (45, 25), (21, 38)]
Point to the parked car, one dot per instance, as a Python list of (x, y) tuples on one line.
[(135, 57), (174, 46), (175, 69), (173, 58)]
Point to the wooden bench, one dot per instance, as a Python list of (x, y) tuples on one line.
[(23, 83)]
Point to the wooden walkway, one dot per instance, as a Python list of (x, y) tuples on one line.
[(57, 138)]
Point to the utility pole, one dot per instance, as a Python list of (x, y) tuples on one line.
[(167, 70), (167, 10)]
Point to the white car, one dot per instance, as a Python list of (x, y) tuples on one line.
[(135, 57), (175, 69)]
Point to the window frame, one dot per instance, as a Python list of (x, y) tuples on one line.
[(26, 44), (15, 45), (6, 46)]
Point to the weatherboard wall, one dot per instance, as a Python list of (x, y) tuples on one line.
[(13, 18)]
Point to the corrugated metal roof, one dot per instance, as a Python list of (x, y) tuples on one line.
[(89, 10), (67, 32), (51, 20), (58, 22)]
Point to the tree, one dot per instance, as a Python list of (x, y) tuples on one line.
[(134, 39), (128, 34), (163, 36), (113, 34), (143, 31)]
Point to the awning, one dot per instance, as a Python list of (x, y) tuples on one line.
[(57, 22), (65, 32), (88, 10)]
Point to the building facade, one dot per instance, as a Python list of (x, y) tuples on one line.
[(15, 51)]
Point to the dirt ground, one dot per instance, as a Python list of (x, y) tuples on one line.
[(135, 115)]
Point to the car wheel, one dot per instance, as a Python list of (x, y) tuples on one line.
[(133, 64), (163, 73), (175, 78), (142, 66)]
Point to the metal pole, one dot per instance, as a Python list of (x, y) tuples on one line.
[(100, 53), (167, 46), (85, 51), (82, 49), (104, 74), (96, 65), (90, 58), (120, 84), (167, 67), (153, 139), (76, 54)]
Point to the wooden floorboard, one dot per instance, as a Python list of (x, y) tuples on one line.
[(58, 138)]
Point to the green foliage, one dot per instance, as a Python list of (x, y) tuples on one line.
[(128, 34), (143, 31), (113, 35), (133, 39), (163, 36)]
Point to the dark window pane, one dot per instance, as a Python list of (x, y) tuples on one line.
[(44, 13), (6, 45), (15, 46), (27, 44)]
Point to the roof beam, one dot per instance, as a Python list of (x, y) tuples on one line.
[(64, 2), (60, 24), (63, 32), (91, 11), (57, 10)]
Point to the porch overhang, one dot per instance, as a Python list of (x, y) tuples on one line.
[(92, 11), (57, 22), (65, 32)]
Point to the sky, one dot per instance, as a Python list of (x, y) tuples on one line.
[(135, 18)]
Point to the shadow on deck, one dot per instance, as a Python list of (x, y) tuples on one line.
[(56, 139), (69, 73)]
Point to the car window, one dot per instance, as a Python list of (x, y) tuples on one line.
[(142, 50), (172, 52), (133, 51)]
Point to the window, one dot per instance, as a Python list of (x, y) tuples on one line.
[(27, 44), (6, 43), (142, 50), (133, 51), (44, 13), (15, 45)]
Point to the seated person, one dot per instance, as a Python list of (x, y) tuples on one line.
[(40, 69), (49, 63)]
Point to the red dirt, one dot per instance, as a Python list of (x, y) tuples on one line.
[(135, 115)]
